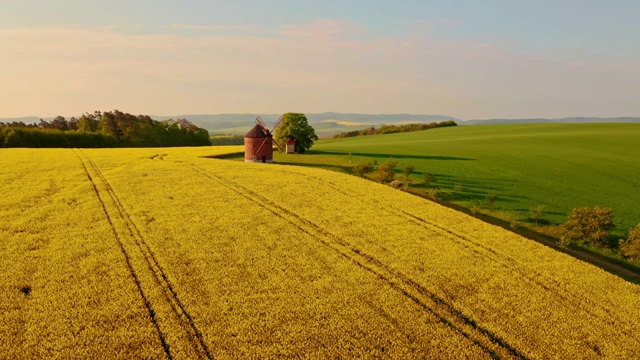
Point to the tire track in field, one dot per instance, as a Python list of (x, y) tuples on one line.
[(502, 260), (489, 342), (177, 315), (127, 257)]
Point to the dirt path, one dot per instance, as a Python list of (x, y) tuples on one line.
[(586, 256)]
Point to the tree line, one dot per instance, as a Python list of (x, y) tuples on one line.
[(103, 129), (390, 129)]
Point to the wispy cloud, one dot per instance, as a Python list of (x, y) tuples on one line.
[(236, 29), (324, 30), (325, 65)]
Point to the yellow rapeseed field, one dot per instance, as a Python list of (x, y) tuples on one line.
[(167, 253)]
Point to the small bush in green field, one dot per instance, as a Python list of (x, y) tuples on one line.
[(434, 194)]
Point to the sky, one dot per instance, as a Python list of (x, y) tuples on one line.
[(469, 59)]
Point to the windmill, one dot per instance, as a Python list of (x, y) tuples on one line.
[(258, 142)]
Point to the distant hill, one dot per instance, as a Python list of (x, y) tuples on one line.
[(325, 124), (25, 119), (331, 123), (549, 121)]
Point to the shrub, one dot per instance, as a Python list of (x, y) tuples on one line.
[(434, 194), (514, 225), (588, 226), (386, 172), (475, 209), (396, 184), (630, 247), (363, 168)]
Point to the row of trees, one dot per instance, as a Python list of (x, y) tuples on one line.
[(103, 129), (390, 129), (584, 225), (593, 226)]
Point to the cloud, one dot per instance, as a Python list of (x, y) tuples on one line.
[(235, 29), (325, 65), (324, 30)]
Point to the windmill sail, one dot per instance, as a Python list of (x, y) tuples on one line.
[(260, 122)]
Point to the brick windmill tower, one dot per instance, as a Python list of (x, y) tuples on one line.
[(258, 142)]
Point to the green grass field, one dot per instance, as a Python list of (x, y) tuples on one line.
[(560, 166)]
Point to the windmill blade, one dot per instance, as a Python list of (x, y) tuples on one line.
[(261, 145), (260, 122), (278, 145), (277, 124)]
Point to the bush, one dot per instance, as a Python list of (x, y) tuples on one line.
[(475, 209), (386, 172), (630, 247), (514, 225), (588, 226), (396, 184), (362, 168), (434, 194)]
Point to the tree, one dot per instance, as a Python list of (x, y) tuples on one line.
[(630, 247), (386, 172), (491, 199), (59, 123), (87, 123), (429, 178), (407, 170), (295, 126), (536, 214), (588, 225), (362, 168)]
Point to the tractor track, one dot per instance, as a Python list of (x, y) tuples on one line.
[(177, 314), (501, 259), (492, 344), (127, 258)]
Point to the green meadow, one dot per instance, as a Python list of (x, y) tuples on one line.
[(560, 166)]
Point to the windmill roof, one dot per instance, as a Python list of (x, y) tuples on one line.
[(256, 132)]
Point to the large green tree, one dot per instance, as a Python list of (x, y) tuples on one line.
[(295, 126)]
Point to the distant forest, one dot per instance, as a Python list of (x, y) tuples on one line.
[(103, 129), (390, 129)]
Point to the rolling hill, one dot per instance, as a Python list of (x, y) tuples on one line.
[(559, 166)]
